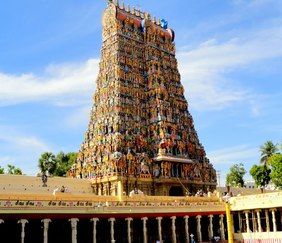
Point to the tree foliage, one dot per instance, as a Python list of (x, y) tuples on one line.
[(235, 177), (64, 163), (267, 150), (56, 165), (276, 169), (13, 170), (261, 175), (2, 171)]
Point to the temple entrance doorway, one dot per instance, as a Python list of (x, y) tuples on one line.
[(176, 191)]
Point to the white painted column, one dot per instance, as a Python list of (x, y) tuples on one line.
[(94, 220), (173, 229), (247, 221), (221, 226), (210, 226), (240, 221), (112, 221), (273, 219), (267, 220), (45, 229), (186, 220), (129, 229), (259, 220), (145, 239), (73, 222), (23, 222), (160, 229), (199, 228)]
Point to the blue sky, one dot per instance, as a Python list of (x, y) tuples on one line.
[(230, 59)]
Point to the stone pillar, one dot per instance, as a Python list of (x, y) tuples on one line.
[(247, 221), (145, 239), (221, 226), (73, 222), (112, 221), (267, 220), (273, 219), (254, 221), (240, 221), (45, 229), (186, 219), (94, 220), (23, 222), (199, 228), (129, 229), (259, 220), (160, 229), (173, 229), (210, 226)]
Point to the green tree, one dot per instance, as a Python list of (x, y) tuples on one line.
[(267, 150), (2, 171), (261, 175), (47, 163), (64, 163), (12, 170), (235, 177), (276, 169)]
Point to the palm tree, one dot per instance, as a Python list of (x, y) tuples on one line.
[(47, 163), (267, 149)]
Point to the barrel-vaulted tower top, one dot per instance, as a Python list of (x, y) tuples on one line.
[(140, 128)]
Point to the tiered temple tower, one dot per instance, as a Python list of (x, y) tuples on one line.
[(141, 134)]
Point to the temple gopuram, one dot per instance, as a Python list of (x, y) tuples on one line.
[(141, 135)]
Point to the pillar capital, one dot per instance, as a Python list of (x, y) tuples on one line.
[(1, 221), (173, 217), (159, 218), (273, 209), (111, 219), (46, 221), (198, 217), (210, 215), (94, 220), (144, 218), (221, 216), (23, 221), (128, 219), (74, 222), (186, 217)]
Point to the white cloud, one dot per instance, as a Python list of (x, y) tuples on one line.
[(78, 117), (66, 84), (232, 155), (205, 69), (20, 149)]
